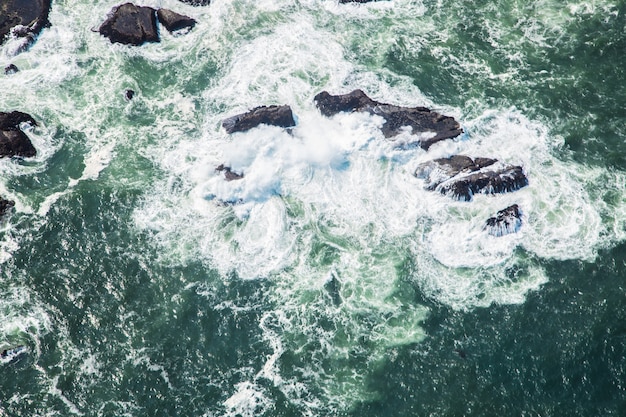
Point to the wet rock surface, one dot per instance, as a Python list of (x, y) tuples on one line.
[(11, 69), (461, 177), (5, 206), (281, 116), (506, 221), (131, 25), (25, 18), (420, 120), (229, 175), (174, 21), (13, 141)]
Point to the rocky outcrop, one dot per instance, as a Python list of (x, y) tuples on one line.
[(461, 176), (506, 221), (24, 18), (197, 2), (13, 141), (5, 206), (270, 115), (421, 120), (229, 175), (174, 21), (131, 25)]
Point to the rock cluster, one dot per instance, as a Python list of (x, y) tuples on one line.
[(419, 119), (461, 177), (134, 25)]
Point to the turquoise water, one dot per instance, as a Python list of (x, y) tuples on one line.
[(336, 285)]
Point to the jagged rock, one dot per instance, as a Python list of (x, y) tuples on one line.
[(442, 169), (506, 221), (228, 173), (5, 206), (129, 94), (174, 21), (419, 119), (197, 2), (25, 18), (461, 176), (10, 69), (14, 142), (131, 25), (270, 115)]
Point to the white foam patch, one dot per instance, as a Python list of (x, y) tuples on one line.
[(333, 196), (248, 401), (24, 320)]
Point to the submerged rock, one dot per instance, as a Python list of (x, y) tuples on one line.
[(10, 69), (25, 18), (131, 25), (333, 287), (13, 353), (129, 94), (461, 176), (419, 119), (506, 221), (270, 115), (228, 173), (13, 141), (174, 21), (5, 206), (197, 2)]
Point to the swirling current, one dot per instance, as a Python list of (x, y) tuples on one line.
[(136, 281)]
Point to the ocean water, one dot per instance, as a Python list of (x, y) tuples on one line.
[(328, 281)]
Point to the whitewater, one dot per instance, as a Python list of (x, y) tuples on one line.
[(329, 280)]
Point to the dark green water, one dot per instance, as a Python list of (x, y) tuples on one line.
[(337, 285)]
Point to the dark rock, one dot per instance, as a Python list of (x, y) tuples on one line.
[(197, 2), (5, 206), (419, 119), (131, 25), (506, 221), (461, 176), (25, 18), (11, 69), (174, 21), (129, 94), (356, 1), (14, 142), (13, 353), (228, 173), (442, 169), (462, 354), (270, 115)]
